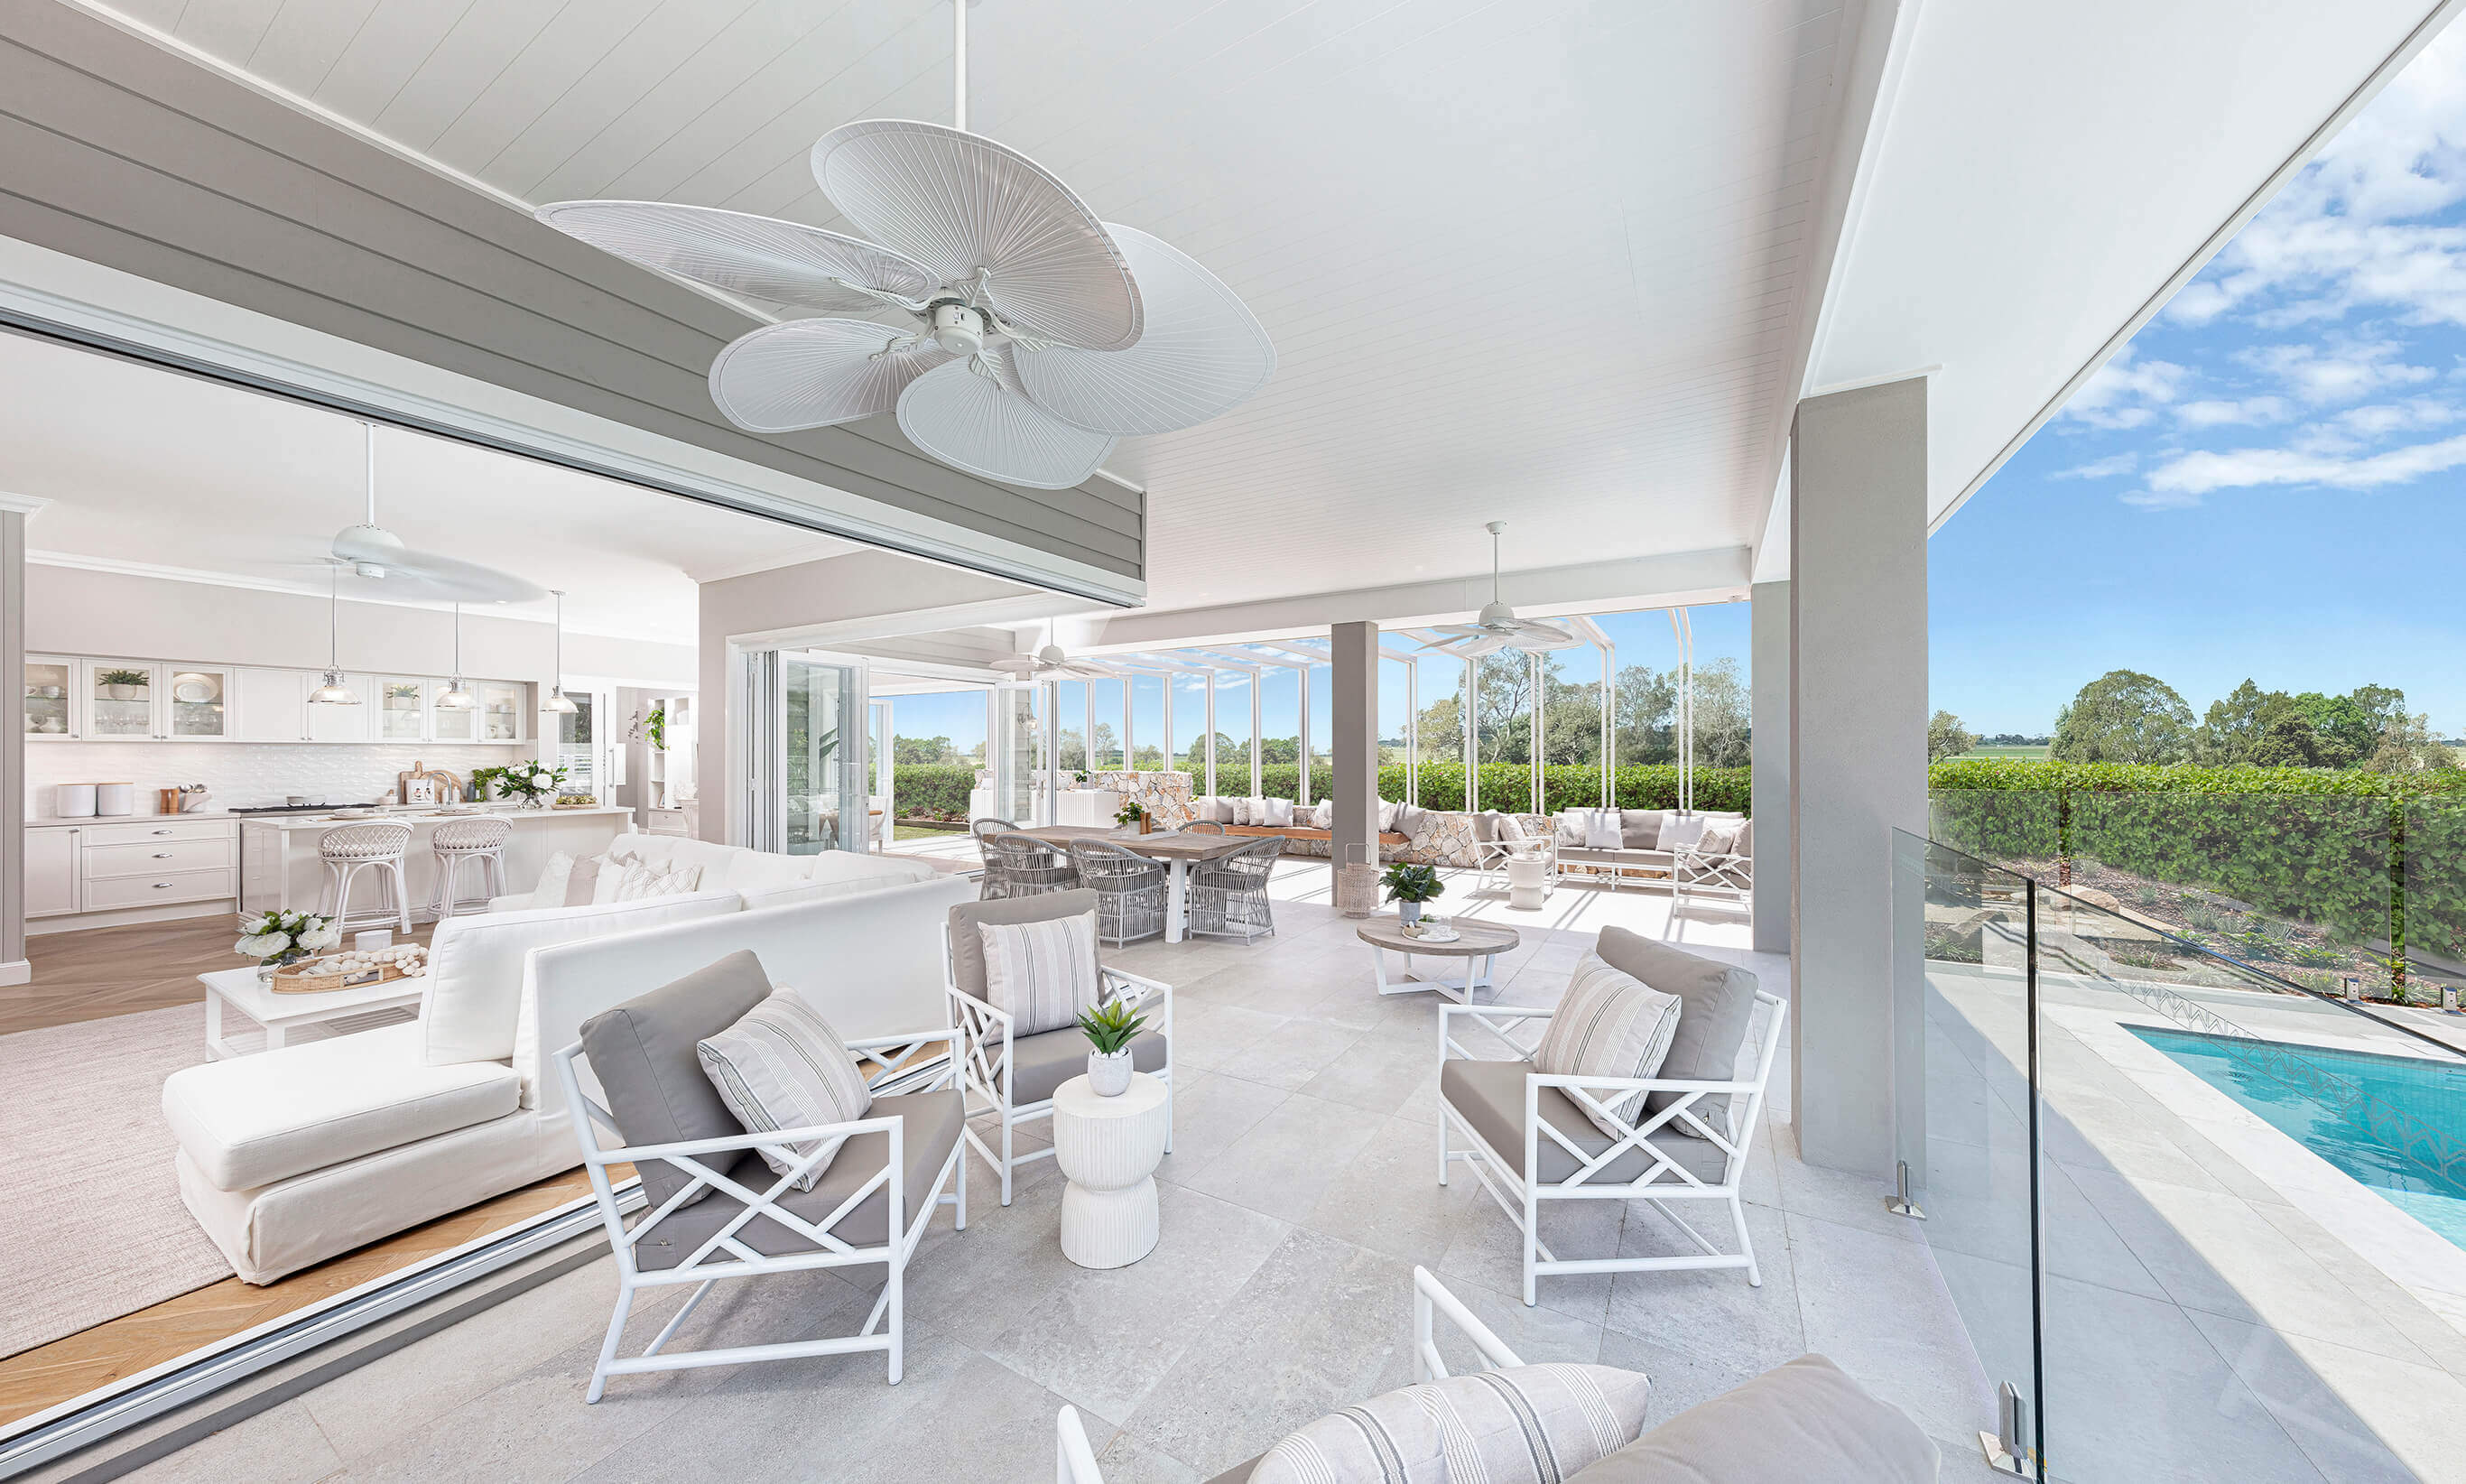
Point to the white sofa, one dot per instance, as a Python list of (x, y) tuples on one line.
[(296, 1155)]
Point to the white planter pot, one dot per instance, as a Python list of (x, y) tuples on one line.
[(120, 693), (1110, 1076), (1409, 912)]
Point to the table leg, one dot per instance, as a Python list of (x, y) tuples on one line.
[(215, 1047), (1176, 898), (274, 1041)]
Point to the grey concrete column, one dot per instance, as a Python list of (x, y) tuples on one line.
[(1857, 752), (1353, 686), (1769, 683), (13, 968)]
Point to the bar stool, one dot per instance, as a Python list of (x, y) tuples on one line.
[(482, 842), (377, 848)]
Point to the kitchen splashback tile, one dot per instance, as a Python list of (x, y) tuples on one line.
[(243, 774)]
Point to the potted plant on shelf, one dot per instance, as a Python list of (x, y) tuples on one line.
[(1409, 885), (1110, 1029), (535, 783), (123, 684), (1132, 812), (276, 939)]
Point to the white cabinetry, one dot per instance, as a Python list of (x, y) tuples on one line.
[(51, 699), (504, 717), (67, 698), (51, 871), (132, 869), (122, 698), (273, 705), (345, 723)]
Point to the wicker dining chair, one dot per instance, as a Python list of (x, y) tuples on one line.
[(1228, 895), (1130, 890), (1023, 865), (1202, 828)]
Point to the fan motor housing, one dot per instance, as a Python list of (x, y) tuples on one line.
[(957, 328)]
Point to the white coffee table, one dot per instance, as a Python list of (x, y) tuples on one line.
[(241, 990), (1109, 1148)]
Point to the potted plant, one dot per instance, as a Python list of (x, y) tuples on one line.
[(532, 782), (1409, 885), (1132, 812), (123, 684), (277, 938), (1110, 1029)]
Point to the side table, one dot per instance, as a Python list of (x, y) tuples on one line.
[(1109, 1148)]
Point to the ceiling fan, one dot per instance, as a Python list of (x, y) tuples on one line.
[(372, 552), (1052, 662), (1496, 627), (1022, 337)]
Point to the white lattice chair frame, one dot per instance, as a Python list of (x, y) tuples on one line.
[(1508, 1174), (1075, 1461), (884, 1059), (1490, 857), (986, 1039), (1693, 871)]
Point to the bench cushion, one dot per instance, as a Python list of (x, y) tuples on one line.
[(1040, 1064), (1804, 1420), (256, 1119)]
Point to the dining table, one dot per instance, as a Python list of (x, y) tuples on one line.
[(1178, 850)]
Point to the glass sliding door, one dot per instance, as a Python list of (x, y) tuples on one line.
[(806, 763), (1018, 752), (879, 806)]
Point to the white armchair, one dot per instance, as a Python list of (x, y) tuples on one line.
[(1539, 843), (1525, 1137)]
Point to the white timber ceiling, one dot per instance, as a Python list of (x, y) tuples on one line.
[(1542, 259), (150, 470)]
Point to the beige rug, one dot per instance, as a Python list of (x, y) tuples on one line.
[(92, 1226)]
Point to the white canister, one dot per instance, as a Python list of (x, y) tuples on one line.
[(115, 798), (73, 800)]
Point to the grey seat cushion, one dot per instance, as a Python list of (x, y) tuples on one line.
[(1805, 1420), (1640, 829), (1716, 1001), (1040, 1064), (929, 1125), (968, 946), (642, 1052), (1491, 1097)]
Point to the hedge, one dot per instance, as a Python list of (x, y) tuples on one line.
[(918, 787)]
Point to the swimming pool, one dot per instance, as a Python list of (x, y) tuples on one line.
[(2351, 1132)]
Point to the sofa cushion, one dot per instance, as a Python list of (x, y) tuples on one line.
[(1538, 1424), (565, 881), (472, 1007), (967, 950), (1490, 1095), (253, 1120), (783, 1066), (790, 892), (1640, 829), (1044, 974), (1040, 1064), (644, 1053), (1394, 1438), (1608, 1025), (1678, 831), (1716, 1000), (1805, 1420), (930, 1127)]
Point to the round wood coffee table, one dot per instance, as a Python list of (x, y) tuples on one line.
[(1477, 943)]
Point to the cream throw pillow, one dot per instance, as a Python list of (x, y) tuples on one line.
[(1041, 974), (1678, 830), (565, 881), (782, 1067), (643, 880), (1608, 1025), (1525, 1424)]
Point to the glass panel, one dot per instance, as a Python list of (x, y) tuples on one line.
[(1105, 726), (401, 709), (1280, 744), (120, 701), (1148, 741), (575, 743), (48, 690), (1018, 755), (1233, 779), (1189, 741), (501, 713), (2431, 907), (455, 726), (825, 809)]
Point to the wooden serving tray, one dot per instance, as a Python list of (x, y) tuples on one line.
[(295, 981)]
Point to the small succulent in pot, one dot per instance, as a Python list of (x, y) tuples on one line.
[(1111, 1028), (1409, 885)]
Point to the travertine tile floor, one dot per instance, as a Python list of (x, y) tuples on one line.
[(1300, 1193)]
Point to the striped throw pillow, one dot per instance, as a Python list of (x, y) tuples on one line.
[(1527, 1425), (1398, 1438), (1608, 1025), (782, 1067), (1041, 974)]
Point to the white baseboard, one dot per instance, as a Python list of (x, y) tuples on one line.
[(19, 972), (125, 916)]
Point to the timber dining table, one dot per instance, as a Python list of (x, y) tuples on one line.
[(1179, 851)]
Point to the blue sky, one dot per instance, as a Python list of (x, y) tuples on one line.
[(2267, 481)]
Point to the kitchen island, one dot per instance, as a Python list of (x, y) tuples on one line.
[(279, 866)]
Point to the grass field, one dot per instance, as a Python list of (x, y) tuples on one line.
[(2037, 753)]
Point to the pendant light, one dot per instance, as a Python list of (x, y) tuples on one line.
[(333, 692), (457, 696), (557, 700)]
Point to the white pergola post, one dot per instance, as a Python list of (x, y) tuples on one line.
[(1301, 788), (1128, 685), (1471, 742), (1049, 808), (1533, 745), (1166, 681), (1211, 734), (1413, 729), (1258, 684), (1087, 693), (1769, 683)]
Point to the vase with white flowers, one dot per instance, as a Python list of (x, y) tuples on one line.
[(535, 783), (277, 938)]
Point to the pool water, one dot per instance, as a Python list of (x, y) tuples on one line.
[(2421, 1092)]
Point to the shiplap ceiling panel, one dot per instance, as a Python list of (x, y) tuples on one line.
[(1542, 259)]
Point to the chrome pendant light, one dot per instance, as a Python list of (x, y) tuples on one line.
[(333, 692), (457, 696), (557, 700)]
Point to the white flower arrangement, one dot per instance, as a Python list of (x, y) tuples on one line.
[(532, 780), (282, 936)]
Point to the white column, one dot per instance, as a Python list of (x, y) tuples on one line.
[(1857, 765), (1166, 681), (1471, 740), (1210, 790), (13, 967), (1353, 690), (1258, 684), (1769, 686)]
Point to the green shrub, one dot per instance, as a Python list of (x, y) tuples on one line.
[(926, 787)]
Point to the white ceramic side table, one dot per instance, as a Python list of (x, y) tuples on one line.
[(1109, 1148), (1528, 883)]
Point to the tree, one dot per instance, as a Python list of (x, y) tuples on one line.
[(1724, 714), (2407, 745), (2235, 725), (922, 749), (2124, 716), (1947, 738)]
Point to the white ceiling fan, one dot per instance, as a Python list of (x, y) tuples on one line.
[(1496, 627), (1029, 336), (1052, 663), (372, 552)]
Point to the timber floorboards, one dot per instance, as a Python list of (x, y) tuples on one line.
[(97, 972)]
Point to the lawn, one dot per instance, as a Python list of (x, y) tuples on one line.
[(2037, 753)]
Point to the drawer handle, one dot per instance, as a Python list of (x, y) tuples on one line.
[(162, 885), (162, 832), (162, 855)]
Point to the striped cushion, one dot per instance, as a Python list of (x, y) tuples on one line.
[(1041, 973), (1608, 1025), (782, 1067), (1528, 1424)]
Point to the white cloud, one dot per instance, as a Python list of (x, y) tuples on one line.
[(2339, 371), (2160, 500), (2120, 394), (2191, 476), (2101, 468), (2215, 413), (2383, 418)]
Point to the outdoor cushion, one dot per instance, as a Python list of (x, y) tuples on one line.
[(1608, 1025), (1716, 999), (929, 1125), (1390, 1439), (1485, 827), (1640, 829), (1042, 974), (1805, 1420), (1517, 1425), (565, 881), (1490, 1096), (1040, 1064), (1678, 831), (1279, 812), (645, 1054), (1719, 838), (783, 1066), (256, 1119), (967, 950)]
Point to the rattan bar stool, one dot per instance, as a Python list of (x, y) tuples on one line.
[(375, 848), (482, 844)]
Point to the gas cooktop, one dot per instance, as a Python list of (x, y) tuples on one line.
[(287, 808)]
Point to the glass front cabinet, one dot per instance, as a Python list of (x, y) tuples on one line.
[(121, 698), (51, 699), (401, 709), (501, 713), (64, 698), (197, 703)]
